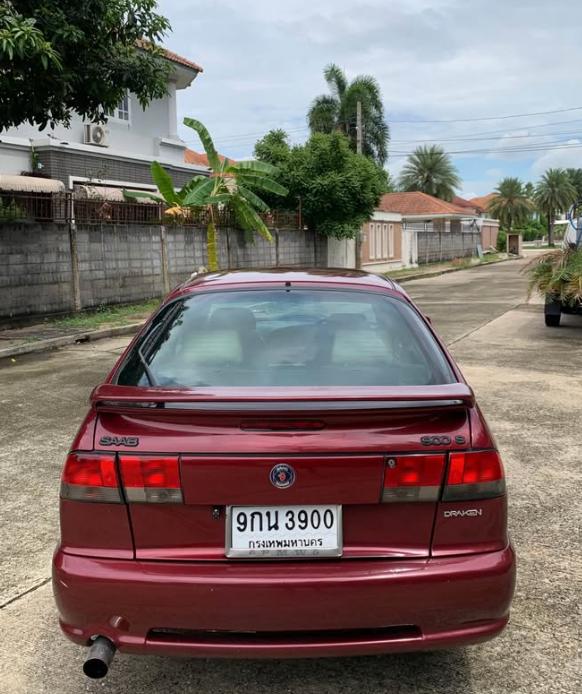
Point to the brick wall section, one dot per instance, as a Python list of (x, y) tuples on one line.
[(61, 165), (35, 272), (434, 246), (123, 263)]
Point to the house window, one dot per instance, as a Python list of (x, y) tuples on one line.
[(122, 111)]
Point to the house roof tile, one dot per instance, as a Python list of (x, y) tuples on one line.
[(417, 203), (483, 202), (175, 58), (199, 158)]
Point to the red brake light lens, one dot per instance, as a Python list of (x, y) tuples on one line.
[(91, 470), (151, 478), (413, 477), (90, 477), (474, 475), (474, 467)]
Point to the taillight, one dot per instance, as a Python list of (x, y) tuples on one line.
[(151, 479), (413, 478), (90, 477), (474, 475)]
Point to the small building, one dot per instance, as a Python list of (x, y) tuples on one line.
[(425, 213)]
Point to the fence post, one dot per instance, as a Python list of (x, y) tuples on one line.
[(74, 251), (165, 264), (276, 235), (228, 254)]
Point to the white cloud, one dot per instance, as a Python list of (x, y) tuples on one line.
[(559, 158), (434, 59)]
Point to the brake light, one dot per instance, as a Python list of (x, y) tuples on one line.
[(474, 475), (413, 478), (152, 479), (90, 477)]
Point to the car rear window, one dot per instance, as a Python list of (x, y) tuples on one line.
[(286, 337)]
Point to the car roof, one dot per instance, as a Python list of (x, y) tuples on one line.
[(320, 276)]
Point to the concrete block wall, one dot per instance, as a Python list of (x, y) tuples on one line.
[(119, 264), (435, 246), (40, 273), (35, 269)]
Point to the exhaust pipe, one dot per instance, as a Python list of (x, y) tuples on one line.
[(99, 659)]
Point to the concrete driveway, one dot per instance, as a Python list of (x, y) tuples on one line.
[(529, 382)]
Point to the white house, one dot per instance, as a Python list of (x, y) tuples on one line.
[(117, 154)]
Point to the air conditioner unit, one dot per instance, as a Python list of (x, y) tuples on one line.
[(96, 135)]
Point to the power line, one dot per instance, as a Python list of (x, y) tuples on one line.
[(495, 137), (509, 150), (484, 118)]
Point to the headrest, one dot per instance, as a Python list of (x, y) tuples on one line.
[(212, 346), (358, 348)]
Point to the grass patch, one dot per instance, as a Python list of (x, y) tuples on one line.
[(106, 316)]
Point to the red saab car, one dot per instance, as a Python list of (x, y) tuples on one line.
[(283, 464)]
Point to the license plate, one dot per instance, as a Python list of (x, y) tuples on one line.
[(283, 531)]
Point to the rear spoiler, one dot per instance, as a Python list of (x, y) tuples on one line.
[(243, 400)]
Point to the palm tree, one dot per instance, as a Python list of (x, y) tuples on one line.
[(554, 193), (229, 185), (575, 176), (430, 170), (337, 111), (511, 204)]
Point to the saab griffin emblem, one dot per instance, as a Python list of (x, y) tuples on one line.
[(282, 476)]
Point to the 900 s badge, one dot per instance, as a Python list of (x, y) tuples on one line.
[(131, 441), (435, 440)]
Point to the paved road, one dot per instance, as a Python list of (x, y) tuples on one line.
[(529, 382)]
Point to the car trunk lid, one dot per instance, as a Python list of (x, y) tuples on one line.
[(339, 446)]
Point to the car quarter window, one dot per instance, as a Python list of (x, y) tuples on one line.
[(287, 337)]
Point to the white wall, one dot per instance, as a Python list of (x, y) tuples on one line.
[(341, 253), (409, 248), (150, 133), (14, 160)]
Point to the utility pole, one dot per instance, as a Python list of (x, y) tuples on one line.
[(359, 128), (359, 139)]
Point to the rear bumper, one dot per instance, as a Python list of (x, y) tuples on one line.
[(284, 609)]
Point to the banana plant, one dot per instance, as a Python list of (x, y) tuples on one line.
[(230, 184)]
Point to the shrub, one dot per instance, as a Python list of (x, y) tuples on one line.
[(557, 273), (502, 241)]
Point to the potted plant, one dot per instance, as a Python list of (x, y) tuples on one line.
[(557, 275)]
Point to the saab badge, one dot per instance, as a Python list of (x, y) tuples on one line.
[(282, 476)]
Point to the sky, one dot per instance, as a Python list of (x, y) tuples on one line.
[(466, 63)]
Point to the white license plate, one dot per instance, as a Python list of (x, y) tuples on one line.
[(283, 531)]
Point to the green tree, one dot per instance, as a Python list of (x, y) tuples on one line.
[(510, 204), (430, 169), (337, 111), (229, 185), (529, 190), (338, 190), (58, 57), (575, 176), (554, 193)]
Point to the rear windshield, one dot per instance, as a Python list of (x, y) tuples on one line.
[(286, 337)]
